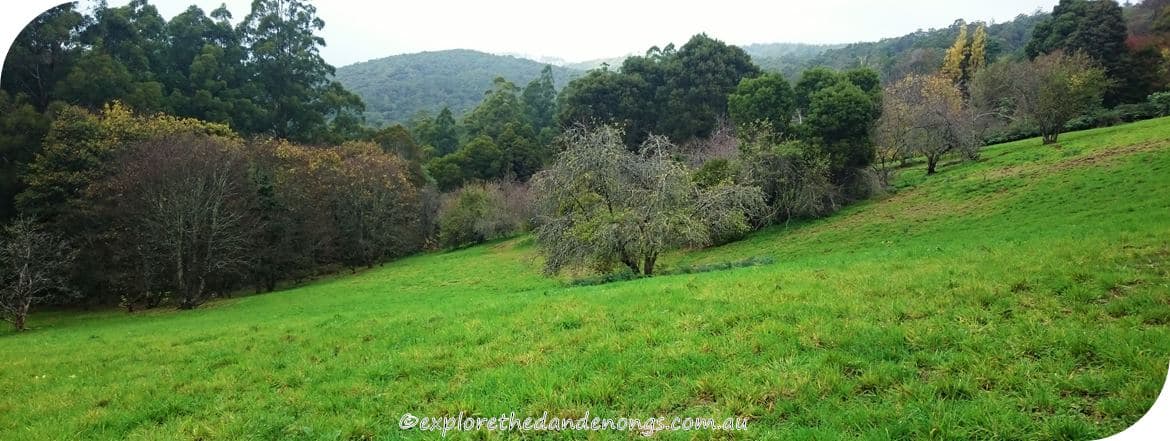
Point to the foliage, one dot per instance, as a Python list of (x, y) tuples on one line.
[(481, 212), (767, 98), (1047, 92), (794, 177), (180, 217), (1161, 102), (1093, 27), (600, 205), (928, 116), (677, 93)]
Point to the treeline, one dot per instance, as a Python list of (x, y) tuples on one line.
[(264, 76)]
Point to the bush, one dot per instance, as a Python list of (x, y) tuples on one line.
[(481, 212), (1161, 103)]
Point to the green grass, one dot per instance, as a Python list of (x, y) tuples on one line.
[(1023, 296)]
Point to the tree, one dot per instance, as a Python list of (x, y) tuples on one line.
[(927, 115), (43, 53), (600, 204), (842, 116), (184, 210), (22, 128), (767, 98), (377, 207), (500, 106), (35, 264), (540, 102), (955, 61), (978, 54), (794, 176), (293, 80), (1046, 92), (1094, 27), (701, 76), (446, 137)]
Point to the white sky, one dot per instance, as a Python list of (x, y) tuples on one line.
[(588, 29)]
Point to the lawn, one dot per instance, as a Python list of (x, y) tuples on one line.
[(1023, 296)]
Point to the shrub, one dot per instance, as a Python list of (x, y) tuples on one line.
[(481, 212), (1161, 103)]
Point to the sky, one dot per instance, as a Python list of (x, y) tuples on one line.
[(582, 30)]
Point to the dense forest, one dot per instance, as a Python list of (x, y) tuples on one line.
[(397, 88), (170, 162)]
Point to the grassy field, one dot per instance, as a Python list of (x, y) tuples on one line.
[(1023, 296)]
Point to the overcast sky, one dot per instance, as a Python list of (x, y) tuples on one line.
[(588, 29)]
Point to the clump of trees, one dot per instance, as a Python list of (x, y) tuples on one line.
[(601, 205), (1045, 93)]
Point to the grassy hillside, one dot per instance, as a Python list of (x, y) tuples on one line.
[(1023, 296), (396, 88)]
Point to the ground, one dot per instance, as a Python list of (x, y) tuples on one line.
[(1023, 296)]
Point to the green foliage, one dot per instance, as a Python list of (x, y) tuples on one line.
[(767, 98), (601, 205), (1093, 27), (43, 54), (475, 214), (21, 131), (1161, 102), (1046, 93), (677, 93), (842, 116), (397, 87)]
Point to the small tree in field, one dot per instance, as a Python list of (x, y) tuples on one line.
[(927, 115), (35, 266), (1047, 92), (601, 205)]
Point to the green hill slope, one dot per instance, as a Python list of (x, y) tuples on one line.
[(1024, 296), (396, 88)]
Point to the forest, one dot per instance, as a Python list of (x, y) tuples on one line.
[(176, 161)]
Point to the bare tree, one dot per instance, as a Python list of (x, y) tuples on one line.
[(35, 267), (185, 212)]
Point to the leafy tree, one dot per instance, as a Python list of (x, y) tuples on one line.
[(606, 97), (475, 214), (794, 176), (501, 106), (928, 116), (540, 102), (955, 63), (1046, 92), (600, 205), (767, 98), (43, 54), (1094, 27), (446, 135), (707, 71), (812, 81), (841, 116), (377, 207), (35, 268), (293, 80), (977, 58), (21, 131)]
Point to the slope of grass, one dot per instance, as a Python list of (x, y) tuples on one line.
[(1023, 296)]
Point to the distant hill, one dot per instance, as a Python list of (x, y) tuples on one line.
[(398, 87), (786, 58), (922, 51)]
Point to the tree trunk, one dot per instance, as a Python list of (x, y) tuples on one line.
[(631, 264), (648, 265), (931, 165), (1050, 138), (18, 320)]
